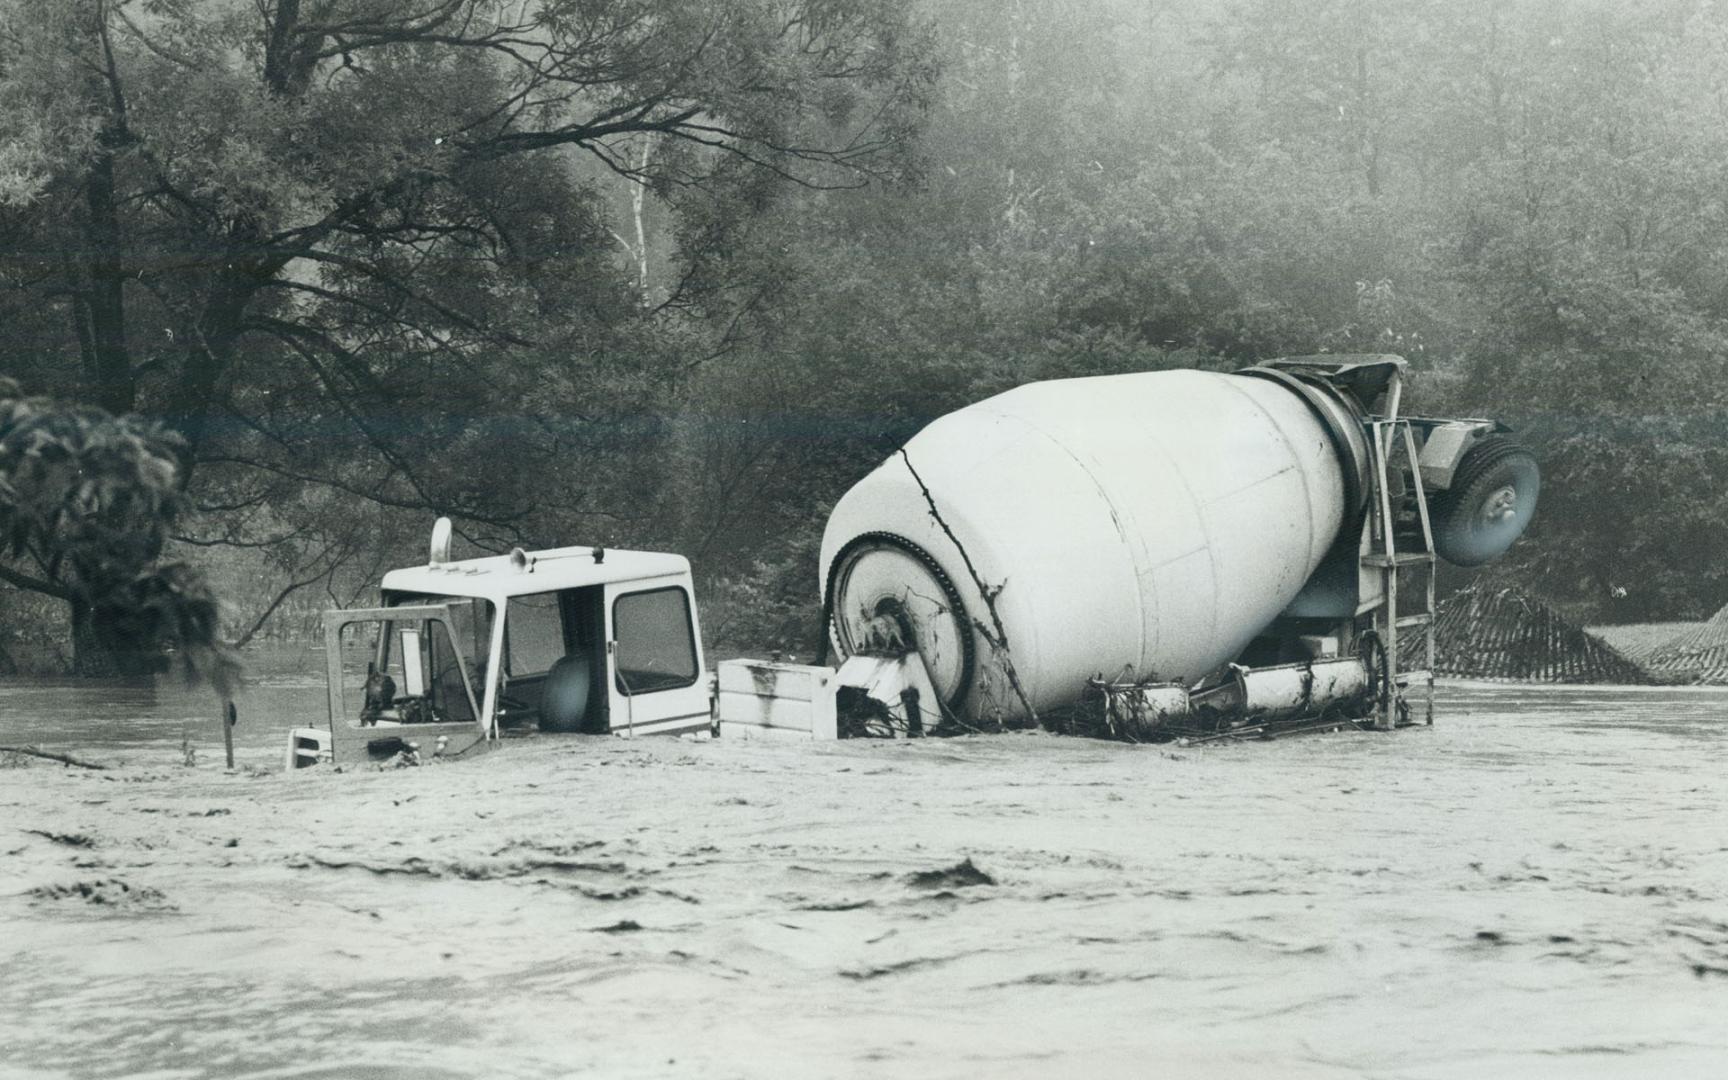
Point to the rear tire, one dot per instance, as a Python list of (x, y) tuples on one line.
[(1491, 500)]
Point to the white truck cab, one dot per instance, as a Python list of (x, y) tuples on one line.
[(459, 653)]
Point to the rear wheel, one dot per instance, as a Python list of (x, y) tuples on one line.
[(1491, 500)]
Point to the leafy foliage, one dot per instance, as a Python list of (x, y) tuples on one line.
[(82, 493), (86, 502), (667, 273), (360, 247), (1523, 199)]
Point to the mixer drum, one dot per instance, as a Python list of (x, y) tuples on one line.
[(1150, 523)]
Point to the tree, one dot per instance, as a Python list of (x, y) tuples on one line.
[(1524, 202), (86, 503), (349, 244), (1584, 250)]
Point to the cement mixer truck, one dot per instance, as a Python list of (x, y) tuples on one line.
[(1139, 556), (1174, 550)]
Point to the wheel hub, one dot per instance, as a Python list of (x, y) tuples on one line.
[(1501, 506)]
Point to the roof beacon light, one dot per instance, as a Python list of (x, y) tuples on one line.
[(521, 561), (440, 542)]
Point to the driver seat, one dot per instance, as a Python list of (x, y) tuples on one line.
[(565, 693)]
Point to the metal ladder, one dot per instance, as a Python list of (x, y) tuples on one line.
[(1381, 558)]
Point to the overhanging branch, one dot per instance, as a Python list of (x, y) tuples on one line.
[(34, 584)]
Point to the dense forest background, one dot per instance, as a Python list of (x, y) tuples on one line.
[(674, 273)]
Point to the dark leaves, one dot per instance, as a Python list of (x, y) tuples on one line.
[(86, 503)]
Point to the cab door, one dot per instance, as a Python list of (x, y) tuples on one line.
[(654, 658)]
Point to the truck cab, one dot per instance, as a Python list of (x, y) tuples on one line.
[(460, 653)]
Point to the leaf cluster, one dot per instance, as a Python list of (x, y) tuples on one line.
[(86, 504)]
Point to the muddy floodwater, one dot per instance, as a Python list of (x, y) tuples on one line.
[(1535, 887)]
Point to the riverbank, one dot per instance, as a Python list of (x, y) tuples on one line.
[(1534, 887)]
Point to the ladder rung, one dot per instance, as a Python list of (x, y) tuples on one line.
[(1415, 620), (1405, 678), (1401, 559)]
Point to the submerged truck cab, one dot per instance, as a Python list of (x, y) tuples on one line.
[(460, 653)]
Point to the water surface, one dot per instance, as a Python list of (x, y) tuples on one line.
[(1537, 886)]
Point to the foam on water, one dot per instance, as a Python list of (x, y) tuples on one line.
[(1533, 887)]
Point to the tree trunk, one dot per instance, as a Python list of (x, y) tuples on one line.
[(89, 658), (92, 658), (1367, 124), (207, 359), (107, 360), (102, 306), (638, 211)]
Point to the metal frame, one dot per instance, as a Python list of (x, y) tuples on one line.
[(1381, 561), (348, 737)]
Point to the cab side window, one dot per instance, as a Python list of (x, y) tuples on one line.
[(656, 642), (535, 634)]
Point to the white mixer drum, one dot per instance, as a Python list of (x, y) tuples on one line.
[(1151, 523)]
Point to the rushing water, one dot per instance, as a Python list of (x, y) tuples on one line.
[(285, 688), (1537, 886), (147, 723)]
